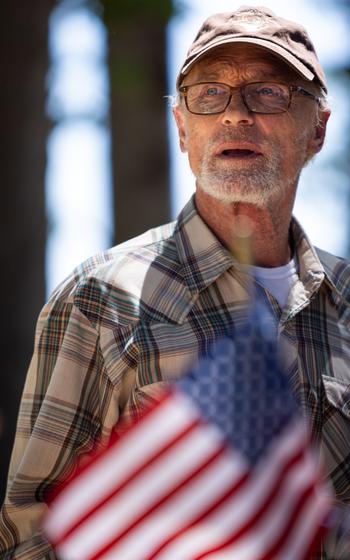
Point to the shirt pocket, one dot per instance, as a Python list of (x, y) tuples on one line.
[(141, 398), (147, 395), (337, 394)]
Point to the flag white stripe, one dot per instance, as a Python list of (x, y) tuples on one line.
[(118, 462), (139, 494), (258, 540), (236, 512), (310, 518), (181, 509), (261, 484)]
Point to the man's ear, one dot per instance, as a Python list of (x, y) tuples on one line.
[(317, 141), (180, 121)]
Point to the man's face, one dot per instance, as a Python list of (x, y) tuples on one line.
[(240, 156)]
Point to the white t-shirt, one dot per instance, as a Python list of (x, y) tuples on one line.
[(279, 281)]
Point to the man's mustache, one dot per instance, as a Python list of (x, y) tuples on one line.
[(237, 137)]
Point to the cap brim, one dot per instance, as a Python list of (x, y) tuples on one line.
[(290, 59)]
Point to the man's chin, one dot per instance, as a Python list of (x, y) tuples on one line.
[(230, 194)]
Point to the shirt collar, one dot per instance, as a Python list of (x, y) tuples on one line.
[(204, 258), (311, 270), (201, 254)]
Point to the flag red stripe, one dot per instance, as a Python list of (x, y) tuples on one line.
[(258, 514), (160, 502), (277, 547), (224, 499), (115, 490), (315, 548), (293, 518), (264, 510), (244, 480)]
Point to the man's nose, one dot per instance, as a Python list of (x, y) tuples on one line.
[(236, 113)]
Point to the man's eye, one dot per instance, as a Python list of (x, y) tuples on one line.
[(212, 91), (268, 91)]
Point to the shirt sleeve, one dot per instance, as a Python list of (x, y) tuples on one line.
[(68, 405)]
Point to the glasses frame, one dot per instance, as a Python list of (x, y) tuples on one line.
[(292, 89)]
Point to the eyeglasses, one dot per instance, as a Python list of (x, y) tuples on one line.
[(211, 98)]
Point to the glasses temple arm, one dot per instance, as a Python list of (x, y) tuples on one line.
[(303, 91)]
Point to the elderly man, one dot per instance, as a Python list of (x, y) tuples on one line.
[(251, 111)]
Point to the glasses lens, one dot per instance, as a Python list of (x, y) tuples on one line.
[(265, 97), (207, 98)]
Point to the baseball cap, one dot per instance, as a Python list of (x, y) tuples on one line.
[(257, 25)]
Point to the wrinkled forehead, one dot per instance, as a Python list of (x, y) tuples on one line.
[(242, 58)]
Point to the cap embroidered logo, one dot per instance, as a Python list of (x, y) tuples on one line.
[(251, 20)]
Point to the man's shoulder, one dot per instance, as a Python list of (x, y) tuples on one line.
[(116, 283), (337, 270)]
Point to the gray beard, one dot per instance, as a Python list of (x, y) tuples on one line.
[(260, 183)]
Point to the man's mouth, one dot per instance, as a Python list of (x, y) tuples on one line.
[(238, 153), (238, 150)]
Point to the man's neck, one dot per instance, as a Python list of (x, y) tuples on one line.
[(251, 233)]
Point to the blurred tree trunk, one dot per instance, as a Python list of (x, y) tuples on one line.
[(137, 60), (24, 62)]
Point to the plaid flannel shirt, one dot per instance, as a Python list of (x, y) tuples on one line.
[(128, 320)]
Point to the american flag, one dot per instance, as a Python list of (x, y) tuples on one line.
[(220, 468)]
